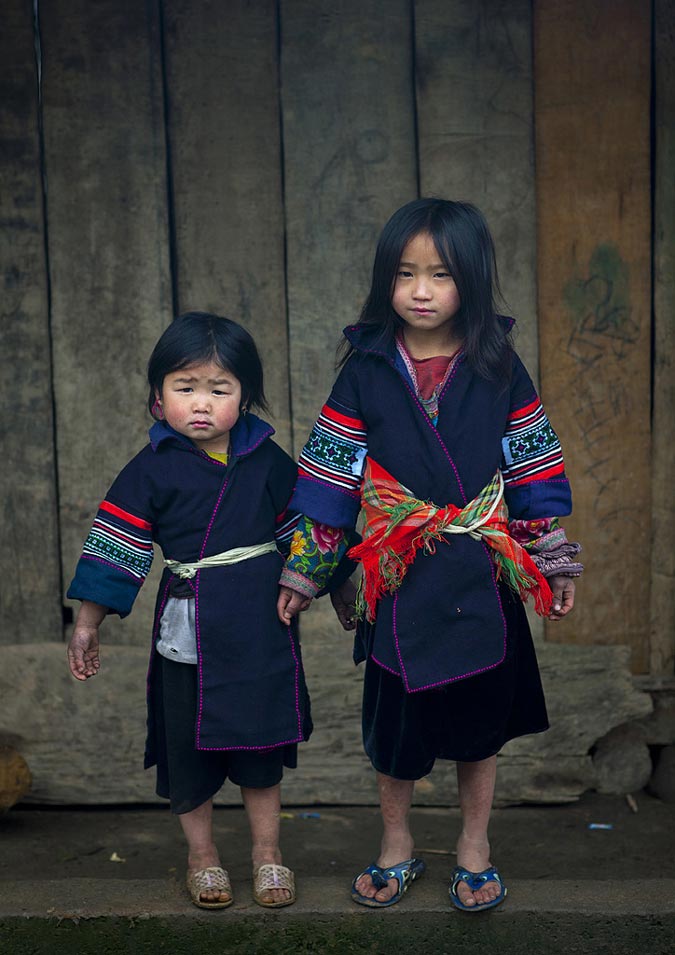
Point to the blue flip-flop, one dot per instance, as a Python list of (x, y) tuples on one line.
[(405, 872), (475, 881)]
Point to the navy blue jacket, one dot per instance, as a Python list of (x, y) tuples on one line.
[(446, 620), (252, 691)]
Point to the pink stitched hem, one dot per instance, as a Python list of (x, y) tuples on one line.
[(384, 666), (298, 582), (106, 563)]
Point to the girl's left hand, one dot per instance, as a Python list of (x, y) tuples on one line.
[(290, 603), (563, 596)]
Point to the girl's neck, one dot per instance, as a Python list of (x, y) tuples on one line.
[(426, 344)]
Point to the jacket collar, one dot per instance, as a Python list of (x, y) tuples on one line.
[(248, 433)]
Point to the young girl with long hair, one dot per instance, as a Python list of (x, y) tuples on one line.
[(434, 431), (226, 691)]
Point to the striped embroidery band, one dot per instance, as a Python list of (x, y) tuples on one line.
[(336, 450), (285, 527), (120, 539), (530, 446)]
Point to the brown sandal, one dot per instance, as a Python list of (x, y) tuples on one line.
[(213, 877), (272, 876)]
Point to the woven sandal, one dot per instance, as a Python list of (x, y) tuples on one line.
[(213, 877), (271, 876)]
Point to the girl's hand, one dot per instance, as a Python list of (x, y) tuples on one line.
[(83, 647), (290, 603), (83, 652), (343, 604), (563, 596)]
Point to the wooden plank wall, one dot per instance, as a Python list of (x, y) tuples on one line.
[(662, 649), (243, 157), (474, 104), (105, 166), (30, 593), (592, 82), (225, 156)]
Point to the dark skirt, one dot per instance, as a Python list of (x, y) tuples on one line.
[(468, 720), (188, 776)]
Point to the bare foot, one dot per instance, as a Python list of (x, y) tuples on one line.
[(474, 855), (393, 854)]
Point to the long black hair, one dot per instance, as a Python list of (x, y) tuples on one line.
[(464, 244), (197, 337)]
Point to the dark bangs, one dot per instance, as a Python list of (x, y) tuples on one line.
[(463, 241), (198, 337)]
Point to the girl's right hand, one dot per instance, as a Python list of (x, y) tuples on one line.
[(83, 657), (83, 647)]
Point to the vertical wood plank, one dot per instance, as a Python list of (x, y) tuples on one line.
[(593, 181), (349, 162), (662, 650), (30, 594), (108, 249), (349, 151), (222, 69), (475, 121)]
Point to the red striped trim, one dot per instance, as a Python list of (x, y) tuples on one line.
[(343, 419), (539, 476), (125, 515), (523, 412)]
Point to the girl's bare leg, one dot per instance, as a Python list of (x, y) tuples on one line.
[(397, 841), (202, 853), (263, 807), (476, 783)]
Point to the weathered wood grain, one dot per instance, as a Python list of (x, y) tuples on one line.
[(475, 121), (100, 725), (224, 134), (662, 644), (349, 162), (108, 246), (30, 592), (593, 186)]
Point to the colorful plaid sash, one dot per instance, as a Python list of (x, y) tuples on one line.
[(397, 526)]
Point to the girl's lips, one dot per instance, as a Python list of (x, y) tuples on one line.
[(423, 311), (200, 424)]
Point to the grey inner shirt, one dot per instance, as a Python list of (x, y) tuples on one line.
[(177, 631)]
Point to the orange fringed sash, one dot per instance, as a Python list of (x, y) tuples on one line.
[(397, 526)]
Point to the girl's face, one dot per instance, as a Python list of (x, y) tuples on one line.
[(203, 402), (425, 295)]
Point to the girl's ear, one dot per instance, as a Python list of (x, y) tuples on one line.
[(157, 406)]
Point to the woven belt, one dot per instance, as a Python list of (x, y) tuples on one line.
[(234, 556)]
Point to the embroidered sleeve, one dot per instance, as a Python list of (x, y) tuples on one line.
[(330, 468), (535, 484), (116, 559), (316, 552), (546, 542)]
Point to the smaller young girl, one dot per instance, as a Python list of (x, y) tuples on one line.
[(434, 431), (226, 690)]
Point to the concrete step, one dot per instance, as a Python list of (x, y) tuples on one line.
[(542, 917)]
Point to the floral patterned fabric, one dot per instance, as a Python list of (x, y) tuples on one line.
[(316, 550)]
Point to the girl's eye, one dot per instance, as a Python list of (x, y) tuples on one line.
[(219, 394), (404, 274), (442, 275)]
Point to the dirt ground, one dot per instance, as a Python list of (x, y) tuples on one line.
[(527, 842)]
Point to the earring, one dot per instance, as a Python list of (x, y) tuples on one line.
[(244, 410)]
